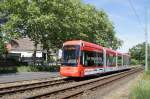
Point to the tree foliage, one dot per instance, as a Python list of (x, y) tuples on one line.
[(2, 45), (138, 52), (51, 22), (2, 49)]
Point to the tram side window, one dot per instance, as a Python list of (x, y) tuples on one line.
[(119, 61), (100, 59), (124, 60), (111, 60), (128, 61), (107, 60), (89, 58)]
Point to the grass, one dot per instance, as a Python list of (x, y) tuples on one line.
[(142, 89), (15, 69)]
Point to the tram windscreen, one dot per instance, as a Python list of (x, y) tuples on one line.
[(70, 55)]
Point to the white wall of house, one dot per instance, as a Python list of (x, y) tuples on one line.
[(28, 53)]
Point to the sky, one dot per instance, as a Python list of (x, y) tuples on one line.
[(129, 27)]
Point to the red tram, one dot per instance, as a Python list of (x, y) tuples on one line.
[(81, 58)]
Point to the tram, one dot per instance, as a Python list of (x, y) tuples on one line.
[(81, 58)]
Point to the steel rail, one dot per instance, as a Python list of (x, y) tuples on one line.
[(98, 85), (102, 81), (30, 86)]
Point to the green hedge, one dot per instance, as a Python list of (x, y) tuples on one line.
[(8, 70), (37, 68), (14, 69)]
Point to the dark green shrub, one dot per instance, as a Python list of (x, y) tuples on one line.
[(134, 62), (8, 70)]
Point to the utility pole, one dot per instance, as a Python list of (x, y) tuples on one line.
[(146, 36)]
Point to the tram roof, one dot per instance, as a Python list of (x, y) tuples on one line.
[(108, 50), (125, 54), (84, 43)]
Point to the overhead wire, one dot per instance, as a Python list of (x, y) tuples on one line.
[(137, 16), (145, 30)]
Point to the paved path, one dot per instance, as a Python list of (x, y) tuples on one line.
[(5, 78)]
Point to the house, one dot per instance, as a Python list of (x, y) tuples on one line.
[(25, 48), (22, 49)]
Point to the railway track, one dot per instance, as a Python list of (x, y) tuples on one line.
[(59, 88), (30, 86), (81, 87)]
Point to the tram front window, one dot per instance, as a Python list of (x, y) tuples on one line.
[(70, 55)]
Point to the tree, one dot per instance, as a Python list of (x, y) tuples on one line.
[(138, 52), (3, 39), (2, 49), (52, 22)]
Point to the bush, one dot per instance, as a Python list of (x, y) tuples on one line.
[(134, 62), (14, 69), (142, 89), (8, 70), (38, 68), (27, 69), (147, 73)]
